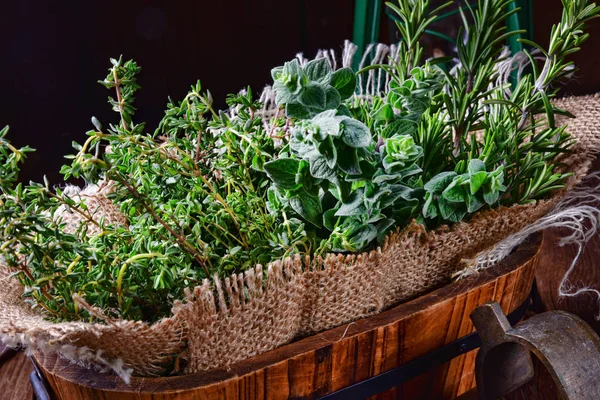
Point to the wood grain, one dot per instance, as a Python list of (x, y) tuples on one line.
[(14, 377), (334, 359)]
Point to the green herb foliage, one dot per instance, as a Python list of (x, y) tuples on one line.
[(210, 193), (196, 207)]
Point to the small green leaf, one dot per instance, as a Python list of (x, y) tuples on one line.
[(397, 192), (429, 208), (438, 183), (491, 197), (300, 147), (329, 151), (330, 219), (474, 204), (384, 113), (97, 124), (455, 192), (333, 98), (452, 212), (328, 123), (313, 96), (347, 160), (276, 73), (476, 165), (282, 172), (320, 169), (476, 180), (355, 133), (353, 206), (318, 70), (415, 105), (297, 110), (308, 207), (344, 80), (383, 228), (362, 237), (282, 94), (399, 127)]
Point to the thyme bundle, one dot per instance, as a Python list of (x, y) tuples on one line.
[(211, 192)]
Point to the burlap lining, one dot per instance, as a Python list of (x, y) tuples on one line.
[(247, 314)]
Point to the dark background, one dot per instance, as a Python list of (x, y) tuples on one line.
[(53, 52)]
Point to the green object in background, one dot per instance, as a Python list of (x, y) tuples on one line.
[(366, 25), (367, 17)]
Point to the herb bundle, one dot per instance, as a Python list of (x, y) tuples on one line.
[(213, 193)]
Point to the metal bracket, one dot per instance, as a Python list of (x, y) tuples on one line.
[(564, 343), (38, 383)]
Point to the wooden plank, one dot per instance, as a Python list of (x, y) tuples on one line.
[(14, 377)]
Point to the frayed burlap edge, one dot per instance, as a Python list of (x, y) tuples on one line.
[(124, 347)]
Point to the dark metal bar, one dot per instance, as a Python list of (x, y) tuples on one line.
[(414, 368), (40, 391)]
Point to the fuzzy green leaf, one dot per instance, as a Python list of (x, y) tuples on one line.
[(297, 110), (415, 105), (347, 160), (328, 123), (328, 150), (318, 70), (452, 212), (384, 113), (438, 183), (282, 172), (332, 98), (476, 180), (475, 166), (313, 96), (399, 127), (362, 237), (353, 206), (330, 219), (320, 169), (308, 207), (344, 80), (355, 133)]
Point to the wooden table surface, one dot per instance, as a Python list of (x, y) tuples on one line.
[(554, 261)]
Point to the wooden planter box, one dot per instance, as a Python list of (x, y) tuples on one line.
[(327, 362)]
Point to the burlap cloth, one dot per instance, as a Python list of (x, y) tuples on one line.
[(243, 315)]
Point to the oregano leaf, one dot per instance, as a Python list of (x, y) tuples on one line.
[(308, 207), (320, 169), (344, 80), (476, 180), (297, 110), (332, 98), (353, 206), (318, 70), (313, 96), (399, 127), (355, 133), (282, 172)]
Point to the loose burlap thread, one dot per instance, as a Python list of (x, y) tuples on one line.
[(228, 320)]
